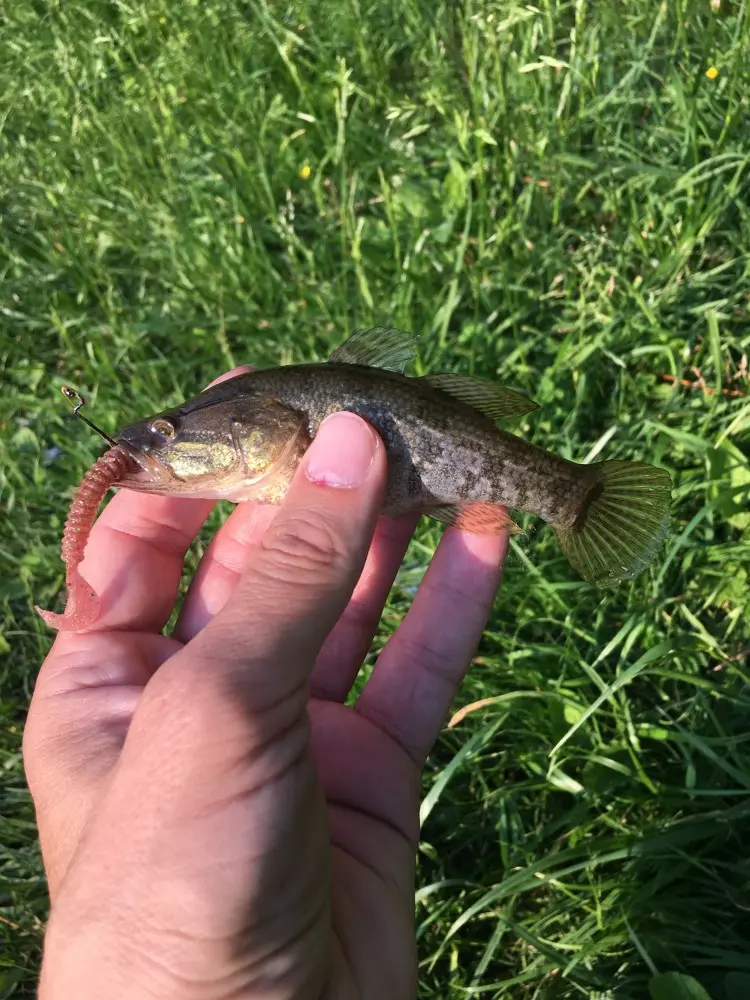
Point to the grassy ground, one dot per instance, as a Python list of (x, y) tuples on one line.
[(554, 192)]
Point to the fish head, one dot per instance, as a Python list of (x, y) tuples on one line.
[(217, 446)]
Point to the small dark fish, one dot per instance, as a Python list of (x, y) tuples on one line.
[(447, 458)]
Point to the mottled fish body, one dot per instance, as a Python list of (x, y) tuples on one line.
[(441, 451), (447, 458)]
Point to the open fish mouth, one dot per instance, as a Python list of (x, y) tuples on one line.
[(147, 472)]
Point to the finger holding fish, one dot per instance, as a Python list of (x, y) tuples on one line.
[(135, 558), (223, 563), (345, 648)]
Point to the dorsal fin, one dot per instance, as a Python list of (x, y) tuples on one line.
[(495, 401), (377, 348)]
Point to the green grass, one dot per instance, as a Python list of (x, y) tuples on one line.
[(553, 193)]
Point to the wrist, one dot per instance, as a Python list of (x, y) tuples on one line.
[(87, 961), (96, 960)]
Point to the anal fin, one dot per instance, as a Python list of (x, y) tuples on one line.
[(475, 516)]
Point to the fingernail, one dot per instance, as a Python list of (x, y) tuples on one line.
[(342, 452)]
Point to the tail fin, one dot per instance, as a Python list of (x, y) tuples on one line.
[(622, 523)]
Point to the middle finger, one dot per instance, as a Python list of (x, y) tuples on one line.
[(226, 559), (345, 648)]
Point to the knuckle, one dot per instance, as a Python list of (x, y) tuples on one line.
[(304, 548)]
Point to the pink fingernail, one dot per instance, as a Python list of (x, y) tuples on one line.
[(342, 452)]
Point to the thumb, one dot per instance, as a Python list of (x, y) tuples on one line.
[(307, 564), (252, 662)]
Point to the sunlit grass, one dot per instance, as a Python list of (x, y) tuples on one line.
[(556, 194)]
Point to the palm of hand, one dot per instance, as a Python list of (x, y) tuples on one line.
[(366, 812)]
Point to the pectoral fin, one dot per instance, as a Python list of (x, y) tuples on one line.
[(493, 400), (377, 348), (480, 518)]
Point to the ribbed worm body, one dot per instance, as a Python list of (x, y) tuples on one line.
[(82, 608), (106, 471)]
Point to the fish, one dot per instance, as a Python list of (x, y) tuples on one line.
[(243, 439)]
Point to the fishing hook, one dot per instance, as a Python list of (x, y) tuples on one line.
[(78, 401)]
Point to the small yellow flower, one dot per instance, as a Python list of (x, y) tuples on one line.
[(715, 4), (712, 72), (305, 172)]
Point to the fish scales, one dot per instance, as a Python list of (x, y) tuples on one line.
[(440, 450)]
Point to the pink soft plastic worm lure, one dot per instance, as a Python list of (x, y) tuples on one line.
[(82, 607)]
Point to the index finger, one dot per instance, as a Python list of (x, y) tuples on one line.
[(135, 556)]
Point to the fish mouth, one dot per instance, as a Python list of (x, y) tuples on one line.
[(148, 472)]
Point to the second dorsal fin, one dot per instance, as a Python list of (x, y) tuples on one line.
[(491, 399)]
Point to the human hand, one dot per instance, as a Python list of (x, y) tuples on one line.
[(214, 821)]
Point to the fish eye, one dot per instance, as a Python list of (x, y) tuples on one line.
[(163, 427)]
